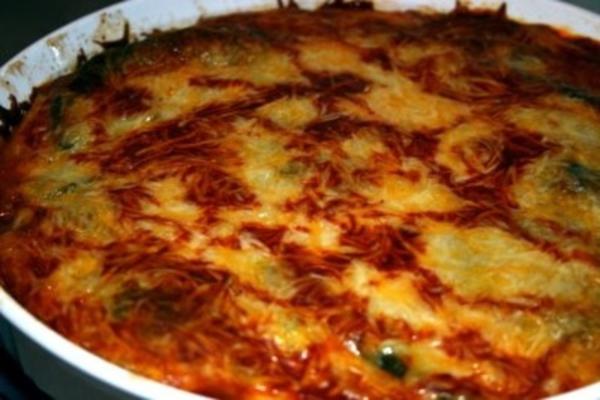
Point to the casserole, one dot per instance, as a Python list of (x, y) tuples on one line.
[(19, 88)]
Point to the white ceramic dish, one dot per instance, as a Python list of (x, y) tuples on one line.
[(61, 368)]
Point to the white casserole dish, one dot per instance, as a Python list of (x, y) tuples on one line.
[(61, 368)]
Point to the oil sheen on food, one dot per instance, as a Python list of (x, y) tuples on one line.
[(338, 204)]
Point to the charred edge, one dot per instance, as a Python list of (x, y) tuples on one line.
[(462, 7), (290, 4), (379, 57), (92, 73), (10, 117), (502, 11), (351, 4), (123, 41), (82, 58)]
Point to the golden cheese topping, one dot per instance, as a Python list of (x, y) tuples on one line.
[(338, 204)]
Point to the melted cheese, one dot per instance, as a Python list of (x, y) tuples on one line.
[(331, 57), (320, 234), (266, 166), (458, 254), (395, 298), (291, 113), (572, 130), (547, 190), (169, 202), (469, 149), (77, 277), (254, 266), (288, 205), (361, 147), (285, 329), (397, 193), (405, 105)]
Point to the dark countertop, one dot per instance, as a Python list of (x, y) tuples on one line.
[(21, 23)]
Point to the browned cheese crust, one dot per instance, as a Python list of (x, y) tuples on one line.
[(339, 204)]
